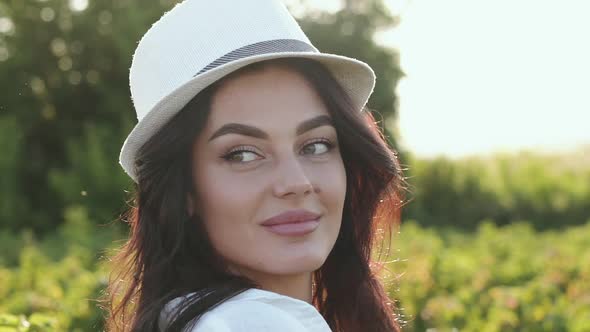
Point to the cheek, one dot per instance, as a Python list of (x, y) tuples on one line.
[(225, 194), (228, 205)]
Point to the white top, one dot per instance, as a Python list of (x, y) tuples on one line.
[(256, 310)]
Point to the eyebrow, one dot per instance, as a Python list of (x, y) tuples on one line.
[(246, 130)]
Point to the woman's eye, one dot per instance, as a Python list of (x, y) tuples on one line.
[(317, 148), (242, 156)]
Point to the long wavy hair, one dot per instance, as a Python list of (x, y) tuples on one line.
[(168, 254)]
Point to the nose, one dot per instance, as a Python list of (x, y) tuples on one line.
[(291, 179)]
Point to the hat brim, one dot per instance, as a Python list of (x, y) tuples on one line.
[(356, 78)]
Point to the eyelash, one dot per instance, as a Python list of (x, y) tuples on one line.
[(227, 156)]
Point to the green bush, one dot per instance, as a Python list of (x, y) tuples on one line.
[(56, 281), (11, 144), (66, 111), (510, 278), (551, 191)]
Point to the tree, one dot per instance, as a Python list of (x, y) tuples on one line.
[(350, 32), (64, 70), (64, 81)]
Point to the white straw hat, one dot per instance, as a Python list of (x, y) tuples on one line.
[(200, 41)]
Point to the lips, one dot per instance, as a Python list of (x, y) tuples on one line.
[(294, 223), (291, 217)]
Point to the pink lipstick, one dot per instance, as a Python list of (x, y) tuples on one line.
[(293, 223)]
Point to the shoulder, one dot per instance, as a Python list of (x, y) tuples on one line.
[(247, 315), (257, 310)]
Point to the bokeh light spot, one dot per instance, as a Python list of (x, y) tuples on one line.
[(105, 17), (75, 77), (92, 76), (78, 5), (65, 63), (48, 112), (58, 47), (37, 85), (6, 25), (47, 14)]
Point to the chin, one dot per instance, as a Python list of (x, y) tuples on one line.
[(299, 264)]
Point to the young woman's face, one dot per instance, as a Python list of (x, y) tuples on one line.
[(269, 148)]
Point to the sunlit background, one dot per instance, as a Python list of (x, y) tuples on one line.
[(486, 101), (484, 76)]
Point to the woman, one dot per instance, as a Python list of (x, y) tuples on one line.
[(262, 185)]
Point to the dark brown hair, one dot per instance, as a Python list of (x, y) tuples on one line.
[(169, 255)]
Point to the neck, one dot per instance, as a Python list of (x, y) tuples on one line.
[(297, 286)]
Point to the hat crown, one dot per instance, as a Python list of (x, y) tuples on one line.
[(199, 42), (195, 33)]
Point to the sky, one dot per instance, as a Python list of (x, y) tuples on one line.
[(484, 76)]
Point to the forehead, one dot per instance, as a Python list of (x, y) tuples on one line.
[(270, 96)]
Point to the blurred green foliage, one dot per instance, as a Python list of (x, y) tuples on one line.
[(65, 107), (350, 32), (65, 110), (509, 278), (549, 190), (53, 283)]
